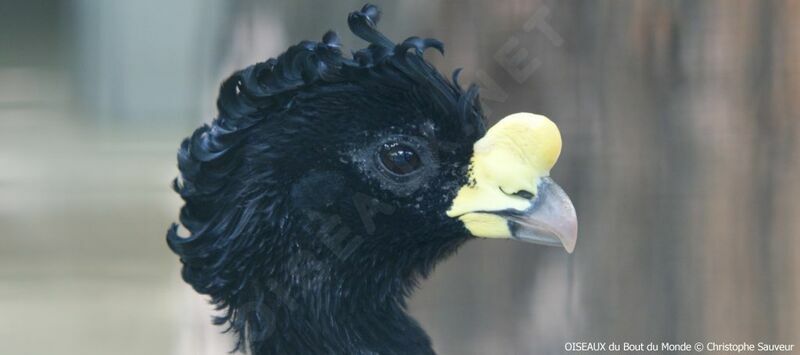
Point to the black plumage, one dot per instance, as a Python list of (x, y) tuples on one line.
[(303, 240)]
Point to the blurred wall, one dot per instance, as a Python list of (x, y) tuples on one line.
[(146, 59), (680, 125)]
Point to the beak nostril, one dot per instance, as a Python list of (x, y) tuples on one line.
[(521, 193), (524, 194)]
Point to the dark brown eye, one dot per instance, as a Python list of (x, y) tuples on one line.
[(399, 158)]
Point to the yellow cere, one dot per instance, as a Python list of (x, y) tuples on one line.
[(513, 155)]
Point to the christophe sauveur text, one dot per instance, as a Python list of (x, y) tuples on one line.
[(584, 346)]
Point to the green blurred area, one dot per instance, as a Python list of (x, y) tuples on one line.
[(680, 122)]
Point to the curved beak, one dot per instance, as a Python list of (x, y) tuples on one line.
[(550, 219), (510, 193)]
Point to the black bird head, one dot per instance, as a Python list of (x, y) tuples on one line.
[(328, 185)]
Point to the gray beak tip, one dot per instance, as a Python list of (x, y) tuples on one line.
[(551, 219)]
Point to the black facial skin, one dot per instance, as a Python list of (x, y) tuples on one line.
[(317, 199)]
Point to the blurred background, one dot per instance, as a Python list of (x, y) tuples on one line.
[(680, 121)]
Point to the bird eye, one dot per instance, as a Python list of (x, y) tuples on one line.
[(399, 158)]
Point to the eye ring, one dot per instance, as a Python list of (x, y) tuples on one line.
[(399, 158)]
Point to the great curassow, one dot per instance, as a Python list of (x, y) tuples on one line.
[(329, 185)]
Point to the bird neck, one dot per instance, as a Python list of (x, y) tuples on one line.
[(352, 305), (340, 318)]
